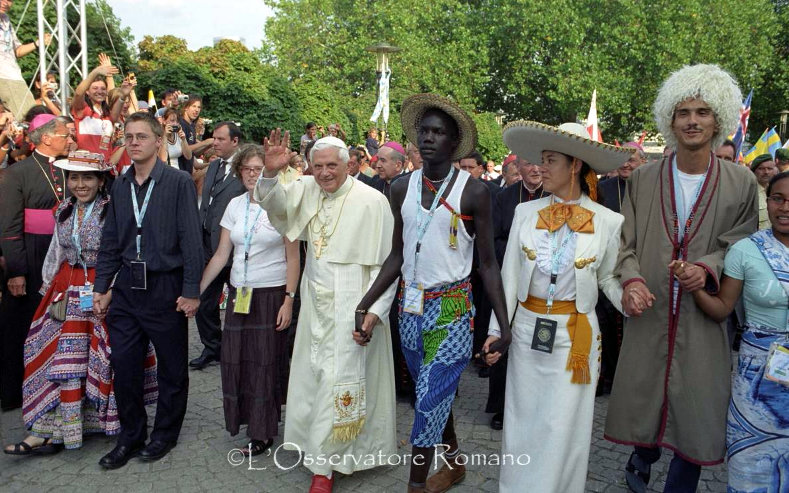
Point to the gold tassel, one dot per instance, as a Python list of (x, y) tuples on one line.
[(591, 181), (579, 364), (453, 231), (347, 432)]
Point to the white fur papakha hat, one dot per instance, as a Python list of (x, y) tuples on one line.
[(711, 84), (528, 139)]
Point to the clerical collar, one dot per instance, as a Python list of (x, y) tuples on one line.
[(532, 192), (340, 191), (48, 158)]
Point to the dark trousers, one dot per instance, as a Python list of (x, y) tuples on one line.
[(610, 321), (683, 476), (404, 384), (16, 314), (482, 313), (497, 385), (209, 323), (135, 318)]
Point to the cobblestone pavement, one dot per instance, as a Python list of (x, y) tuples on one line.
[(200, 461)]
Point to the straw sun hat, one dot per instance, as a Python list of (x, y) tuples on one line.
[(415, 107), (528, 139)]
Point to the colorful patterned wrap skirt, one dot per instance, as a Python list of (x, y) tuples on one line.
[(67, 390), (437, 348)]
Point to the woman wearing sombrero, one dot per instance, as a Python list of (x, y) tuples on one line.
[(67, 390), (560, 250)]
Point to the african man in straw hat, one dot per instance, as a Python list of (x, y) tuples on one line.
[(341, 396), (561, 250), (439, 214), (671, 387)]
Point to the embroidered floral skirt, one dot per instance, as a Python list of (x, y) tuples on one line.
[(67, 391), (437, 348)]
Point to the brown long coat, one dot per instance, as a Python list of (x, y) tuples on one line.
[(672, 381)]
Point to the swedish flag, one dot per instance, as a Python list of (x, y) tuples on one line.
[(769, 142)]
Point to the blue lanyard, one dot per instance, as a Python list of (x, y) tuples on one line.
[(556, 255), (248, 231), (679, 198), (75, 234), (139, 215), (422, 223)]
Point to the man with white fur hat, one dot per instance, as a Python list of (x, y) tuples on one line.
[(671, 387), (341, 396)]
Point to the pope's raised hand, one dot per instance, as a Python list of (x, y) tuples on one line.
[(278, 153)]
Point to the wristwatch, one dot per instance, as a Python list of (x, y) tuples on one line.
[(291, 294)]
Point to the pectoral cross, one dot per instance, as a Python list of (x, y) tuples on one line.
[(319, 244)]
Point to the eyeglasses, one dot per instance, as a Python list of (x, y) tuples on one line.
[(252, 171), (777, 200)]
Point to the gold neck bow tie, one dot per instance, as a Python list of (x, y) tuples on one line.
[(576, 217)]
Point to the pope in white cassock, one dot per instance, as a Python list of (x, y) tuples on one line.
[(341, 397)]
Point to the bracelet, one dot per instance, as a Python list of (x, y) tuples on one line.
[(361, 312)]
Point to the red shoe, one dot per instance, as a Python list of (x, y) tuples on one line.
[(321, 484)]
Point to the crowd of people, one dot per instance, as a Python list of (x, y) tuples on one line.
[(360, 274)]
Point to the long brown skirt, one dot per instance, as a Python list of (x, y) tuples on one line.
[(253, 353)]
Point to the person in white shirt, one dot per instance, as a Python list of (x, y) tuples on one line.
[(263, 281)]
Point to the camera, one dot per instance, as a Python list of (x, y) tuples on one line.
[(175, 128), (183, 98), (19, 126), (207, 121)]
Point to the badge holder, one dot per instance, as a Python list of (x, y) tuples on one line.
[(139, 275), (777, 367), (243, 300), (544, 335), (414, 298), (86, 298)]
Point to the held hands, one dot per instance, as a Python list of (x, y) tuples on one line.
[(365, 323), (101, 301), (691, 277), (493, 348), (16, 285), (278, 153), (636, 298), (187, 305)]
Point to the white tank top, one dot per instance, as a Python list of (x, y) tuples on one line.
[(438, 263)]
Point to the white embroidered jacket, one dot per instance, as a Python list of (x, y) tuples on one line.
[(594, 258)]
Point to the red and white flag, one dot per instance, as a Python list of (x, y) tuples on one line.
[(591, 120)]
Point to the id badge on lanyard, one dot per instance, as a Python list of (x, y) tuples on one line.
[(777, 368), (86, 298), (243, 300), (414, 298), (85, 291), (244, 293)]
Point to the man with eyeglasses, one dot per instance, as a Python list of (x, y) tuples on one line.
[(221, 185), (29, 194)]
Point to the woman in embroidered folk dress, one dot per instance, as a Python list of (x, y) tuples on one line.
[(263, 282), (757, 267), (67, 391), (560, 249)]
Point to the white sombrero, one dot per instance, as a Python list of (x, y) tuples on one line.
[(83, 161), (528, 139)]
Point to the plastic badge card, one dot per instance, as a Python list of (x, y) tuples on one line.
[(86, 298), (243, 300), (413, 298), (777, 368)]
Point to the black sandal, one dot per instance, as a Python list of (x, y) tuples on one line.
[(21, 448), (48, 448), (257, 447)]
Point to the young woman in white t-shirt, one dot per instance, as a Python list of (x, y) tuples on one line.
[(263, 279)]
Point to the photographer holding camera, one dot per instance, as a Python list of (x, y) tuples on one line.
[(175, 144), (194, 128)]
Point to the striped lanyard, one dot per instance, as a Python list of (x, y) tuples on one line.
[(248, 232), (75, 226), (139, 215)]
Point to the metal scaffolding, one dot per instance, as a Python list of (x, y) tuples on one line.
[(61, 60)]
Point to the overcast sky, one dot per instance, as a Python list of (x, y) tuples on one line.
[(196, 21)]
